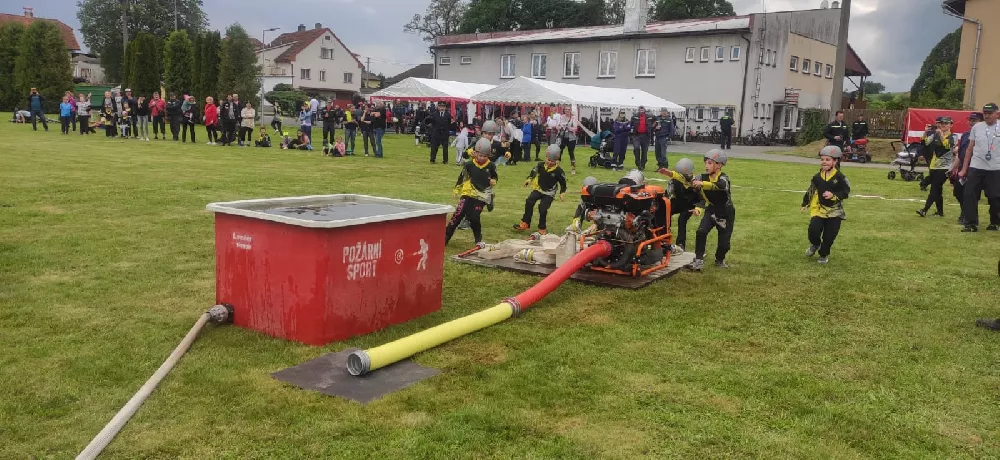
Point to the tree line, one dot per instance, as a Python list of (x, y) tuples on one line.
[(33, 57)]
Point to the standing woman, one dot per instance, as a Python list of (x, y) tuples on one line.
[(211, 120), (142, 118), (621, 129), (246, 125), (943, 146), (157, 111), (83, 113), (189, 108), (568, 127)]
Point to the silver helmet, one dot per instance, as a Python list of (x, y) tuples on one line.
[(635, 176), (685, 166), (590, 180), (490, 126), (831, 151), (484, 147), (552, 152), (717, 156)]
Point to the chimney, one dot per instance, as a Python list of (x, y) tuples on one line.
[(835, 5), (29, 12), (302, 27), (319, 26), (635, 16)]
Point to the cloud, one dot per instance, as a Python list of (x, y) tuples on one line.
[(892, 37)]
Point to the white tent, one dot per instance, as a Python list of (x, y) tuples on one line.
[(426, 89), (531, 91)]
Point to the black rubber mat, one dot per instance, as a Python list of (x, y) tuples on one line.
[(328, 374)]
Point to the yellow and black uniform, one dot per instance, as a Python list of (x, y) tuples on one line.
[(826, 213), (499, 151), (475, 192), (941, 149), (263, 140), (683, 199), (545, 183), (719, 213)]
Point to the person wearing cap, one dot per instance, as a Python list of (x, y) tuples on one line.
[(836, 132), (440, 129), (546, 180), (824, 199), (958, 185), (683, 199), (981, 171), (36, 105), (716, 209), (663, 128), (642, 125), (621, 130), (942, 146), (474, 190)]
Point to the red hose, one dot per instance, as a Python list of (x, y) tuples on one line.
[(545, 287)]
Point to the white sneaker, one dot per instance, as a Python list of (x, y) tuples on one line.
[(823, 260), (208, 143), (677, 250), (811, 250), (697, 265)]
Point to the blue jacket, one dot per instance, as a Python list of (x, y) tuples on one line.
[(65, 109), (526, 133)]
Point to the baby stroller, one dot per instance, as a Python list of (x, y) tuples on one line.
[(906, 161), (605, 156)]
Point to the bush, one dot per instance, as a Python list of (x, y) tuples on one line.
[(813, 123), (288, 100)]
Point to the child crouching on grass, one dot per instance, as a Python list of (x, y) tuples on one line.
[(339, 149), (263, 140), (825, 201), (544, 179), (474, 189)]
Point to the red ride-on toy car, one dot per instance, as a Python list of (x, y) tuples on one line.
[(857, 151)]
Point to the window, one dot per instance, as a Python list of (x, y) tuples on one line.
[(735, 53), (326, 53), (767, 57), (689, 54), (793, 64), (700, 114), (571, 65), (507, 66), (774, 58), (720, 53), (608, 66), (704, 54), (645, 63), (327, 38), (756, 110), (829, 71), (348, 77), (445, 60), (715, 113), (466, 60), (806, 65), (322, 75), (818, 69), (304, 74), (538, 64), (769, 112)]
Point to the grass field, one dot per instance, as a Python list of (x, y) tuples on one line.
[(106, 260), (880, 149)]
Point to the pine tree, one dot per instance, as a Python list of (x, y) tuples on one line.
[(145, 65), (238, 69), (128, 67), (197, 84), (206, 65), (178, 60), (10, 35), (43, 62)]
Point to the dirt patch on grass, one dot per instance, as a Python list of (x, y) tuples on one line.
[(612, 439), (476, 352), (49, 209)]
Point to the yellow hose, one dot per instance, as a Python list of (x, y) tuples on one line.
[(362, 362)]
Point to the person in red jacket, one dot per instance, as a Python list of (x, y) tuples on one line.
[(157, 112), (211, 120)]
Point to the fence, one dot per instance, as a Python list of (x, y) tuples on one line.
[(882, 124)]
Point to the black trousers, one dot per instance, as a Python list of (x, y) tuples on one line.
[(515, 152), (72, 119), (936, 195), (212, 132), (246, 134), (725, 233), (276, 125), (977, 182), (727, 139), (526, 151), (175, 127), (470, 209), (822, 233), (544, 202), (437, 140), (640, 145), (958, 191), (159, 127), (65, 122), (569, 144), (187, 126), (84, 122), (329, 129), (537, 142), (35, 115), (369, 135), (228, 132), (683, 209)]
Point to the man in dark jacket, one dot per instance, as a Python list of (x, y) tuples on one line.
[(228, 112), (663, 128), (859, 130), (726, 126), (129, 102), (642, 125), (329, 116), (440, 128), (836, 132), (36, 105), (174, 115)]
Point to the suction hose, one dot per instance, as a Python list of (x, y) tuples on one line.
[(365, 361), (216, 314)]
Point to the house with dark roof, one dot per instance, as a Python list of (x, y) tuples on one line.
[(763, 69), (313, 60), (420, 71), (29, 16)]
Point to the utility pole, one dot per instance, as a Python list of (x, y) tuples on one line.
[(836, 101), (124, 36)]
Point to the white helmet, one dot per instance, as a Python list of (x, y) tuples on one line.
[(685, 166), (831, 151), (590, 180), (635, 176)]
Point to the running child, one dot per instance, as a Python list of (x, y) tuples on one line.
[(825, 201), (717, 211), (474, 189), (544, 179)]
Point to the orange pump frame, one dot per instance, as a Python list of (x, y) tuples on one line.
[(661, 235)]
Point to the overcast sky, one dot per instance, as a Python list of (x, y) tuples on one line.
[(892, 36)]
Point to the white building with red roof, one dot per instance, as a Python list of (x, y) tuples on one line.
[(313, 60)]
